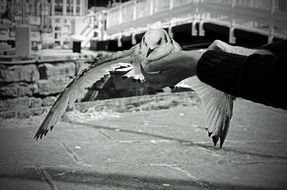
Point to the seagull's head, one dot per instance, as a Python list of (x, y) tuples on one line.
[(155, 44)]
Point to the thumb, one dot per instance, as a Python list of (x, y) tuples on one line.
[(219, 45)]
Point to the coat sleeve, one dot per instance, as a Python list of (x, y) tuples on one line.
[(259, 78), (277, 47)]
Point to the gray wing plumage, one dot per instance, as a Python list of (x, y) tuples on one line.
[(77, 88), (217, 107)]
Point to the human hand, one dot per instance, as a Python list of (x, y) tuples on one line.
[(222, 46), (176, 66), (171, 69)]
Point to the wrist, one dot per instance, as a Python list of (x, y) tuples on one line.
[(192, 60)]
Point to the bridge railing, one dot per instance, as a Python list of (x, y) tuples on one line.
[(264, 16)]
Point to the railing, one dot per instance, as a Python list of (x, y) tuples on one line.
[(265, 16), (85, 28)]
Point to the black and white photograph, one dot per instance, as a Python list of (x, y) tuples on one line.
[(143, 94)]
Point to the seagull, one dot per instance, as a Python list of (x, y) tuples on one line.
[(129, 60), (155, 44)]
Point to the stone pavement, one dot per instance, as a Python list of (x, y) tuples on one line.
[(164, 149)]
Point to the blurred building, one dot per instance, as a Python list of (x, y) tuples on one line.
[(3, 4), (69, 17), (52, 21), (242, 22)]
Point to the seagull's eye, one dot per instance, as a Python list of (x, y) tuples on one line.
[(159, 42)]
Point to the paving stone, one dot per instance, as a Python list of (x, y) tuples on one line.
[(52, 85), (27, 73), (48, 70), (9, 114), (15, 104), (18, 89), (26, 113), (35, 102), (20, 103), (48, 101)]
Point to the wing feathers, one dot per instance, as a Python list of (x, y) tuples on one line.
[(77, 88), (217, 107)]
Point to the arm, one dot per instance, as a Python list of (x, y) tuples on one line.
[(171, 70), (259, 78)]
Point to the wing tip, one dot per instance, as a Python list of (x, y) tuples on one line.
[(41, 133), (222, 138), (215, 138)]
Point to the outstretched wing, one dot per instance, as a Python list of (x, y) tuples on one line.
[(77, 88), (217, 107)]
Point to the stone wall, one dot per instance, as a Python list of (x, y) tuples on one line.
[(33, 84), (27, 86)]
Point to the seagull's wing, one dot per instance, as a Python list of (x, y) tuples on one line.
[(77, 88), (217, 107)]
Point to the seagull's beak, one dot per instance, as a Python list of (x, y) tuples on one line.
[(149, 52)]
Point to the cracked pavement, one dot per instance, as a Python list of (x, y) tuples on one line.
[(163, 149)]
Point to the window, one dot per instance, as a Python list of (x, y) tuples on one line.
[(78, 8), (57, 28), (58, 10), (59, 2), (69, 8), (58, 7)]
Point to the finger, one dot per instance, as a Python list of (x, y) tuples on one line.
[(154, 66), (218, 45), (163, 76), (151, 77)]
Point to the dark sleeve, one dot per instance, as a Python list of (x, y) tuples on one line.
[(276, 47), (259, 78)]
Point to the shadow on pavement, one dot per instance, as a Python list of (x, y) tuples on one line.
[(114, 180)]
